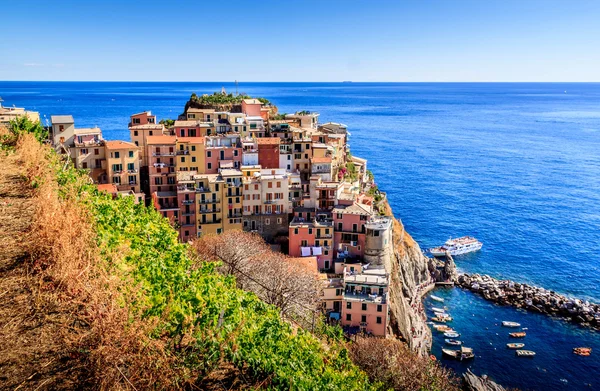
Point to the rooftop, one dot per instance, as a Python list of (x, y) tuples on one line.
[(252, 102), (268, 140), (62, 119), (159, 140), (321, 160), (118, 144), (355, 209)]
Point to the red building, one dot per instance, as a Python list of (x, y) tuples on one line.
[(268, 152), (349, 224)]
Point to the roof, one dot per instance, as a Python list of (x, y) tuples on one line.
[(196, 110), (355, 209), (154, 140), (147, 126), (186, 123), (118, 144), (307, 263), (268, 140), (252, 102), (84, 131), (108, 187), (62, 119), (321, 160), (143, 112)]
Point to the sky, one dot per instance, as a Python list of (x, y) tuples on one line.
[(380, 40)]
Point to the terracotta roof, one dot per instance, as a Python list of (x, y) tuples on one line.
[(321, 160), (186, 123), (118, 144), (252, 102), (307, 263), (154, 140), (108, 187), (268, 140), (355, 209), (147, 126)]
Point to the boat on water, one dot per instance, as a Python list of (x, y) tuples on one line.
[(525, 353), (442, 317), (451, 334), (436, 298), (457, 246), (437, 309), (510, 324), (443, 328), (519, 334), (462, 354), (515, 345), (454, 342), (585, 352)]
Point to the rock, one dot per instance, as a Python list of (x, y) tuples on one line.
[(472, 382)]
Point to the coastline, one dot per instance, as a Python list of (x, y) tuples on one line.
[(532, 298)]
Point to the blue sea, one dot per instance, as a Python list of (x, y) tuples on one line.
[(516, 165)]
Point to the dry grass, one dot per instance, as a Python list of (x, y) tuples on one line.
[(64, 322)]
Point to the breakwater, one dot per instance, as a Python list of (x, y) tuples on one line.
[(532, 298)]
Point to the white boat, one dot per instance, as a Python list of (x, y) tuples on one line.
[(454, 342), (515, 345), (436, 298), (462, 354), (457, 246), (525, 353), (510, 324), (437, 309), (451, 334)]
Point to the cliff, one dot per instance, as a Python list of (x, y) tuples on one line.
[(409, 280)]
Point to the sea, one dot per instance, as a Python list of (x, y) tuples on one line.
[(517, 165)]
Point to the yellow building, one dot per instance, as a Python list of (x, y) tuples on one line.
[(191, 154), (123, 165), (218, 201)]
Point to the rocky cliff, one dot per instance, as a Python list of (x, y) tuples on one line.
[(409, 279)]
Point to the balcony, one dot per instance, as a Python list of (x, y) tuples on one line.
[(215, 210), (158, 154), (188, 213), (217, 221), (232, 215), (202, 190), (209, 201), (324, 236), (168, 207), (187, 202), (184, 152)]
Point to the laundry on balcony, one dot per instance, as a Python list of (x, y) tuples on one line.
[(317, 251), (305, 251), (160, 165)]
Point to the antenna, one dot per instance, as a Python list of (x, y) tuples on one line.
[(236, 88)]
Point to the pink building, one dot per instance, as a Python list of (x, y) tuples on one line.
[(349, 224), (222, 152), (309, 236), (251, 107), (143, 118), (365, 305)]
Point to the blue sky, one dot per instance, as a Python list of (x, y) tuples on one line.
[(420, 40)]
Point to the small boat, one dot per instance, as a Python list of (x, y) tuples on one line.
[(510, 324), (515, 345), (443, 328), (462, 354), (443, 319), (585, 352), (437, 309), (520, 334), (454, 342), (525, 353), (439, 299), (451, 334), (457, 246)]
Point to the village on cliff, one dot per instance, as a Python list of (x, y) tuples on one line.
[(240, 165)]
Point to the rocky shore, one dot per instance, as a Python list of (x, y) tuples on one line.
[(532, 298)]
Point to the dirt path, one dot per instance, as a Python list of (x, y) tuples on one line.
[(31, 354)]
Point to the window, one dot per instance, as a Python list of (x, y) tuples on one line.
[(130, 153), (267, 221), (379, 308), (363, 318), (117, 180), (270, 185), (117, 167), (310, 231), (130, 166), (183, 159), (209, 166), (375, 233), (84, 151), (379, 320), (193, 148), (84, 165), (117, 155), (96, 151), (278, 184), (235, 152), (306, 155), (182, 132), (289, 157), (364, 306), (136, 120), (135, 132), (279, 220), (348, 305), (209, 154), (348, 317), (303, 243), (193, 159), (295, 231), (307, 146), (61, 128), (219, 230), (150, 133)]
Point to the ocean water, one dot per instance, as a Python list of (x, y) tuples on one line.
[(517, 165)]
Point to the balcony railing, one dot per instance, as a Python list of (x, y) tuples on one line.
[(216, 210), (202, 190), (163, 154), (209, 201), (187, 202), (216, 221), (184, 152)]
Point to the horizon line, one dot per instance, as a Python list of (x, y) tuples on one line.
[(258, 81)]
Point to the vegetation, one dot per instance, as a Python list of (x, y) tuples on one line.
[(278, 117), (218, 98), (167, 122), (397, 368), (23, 125)]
